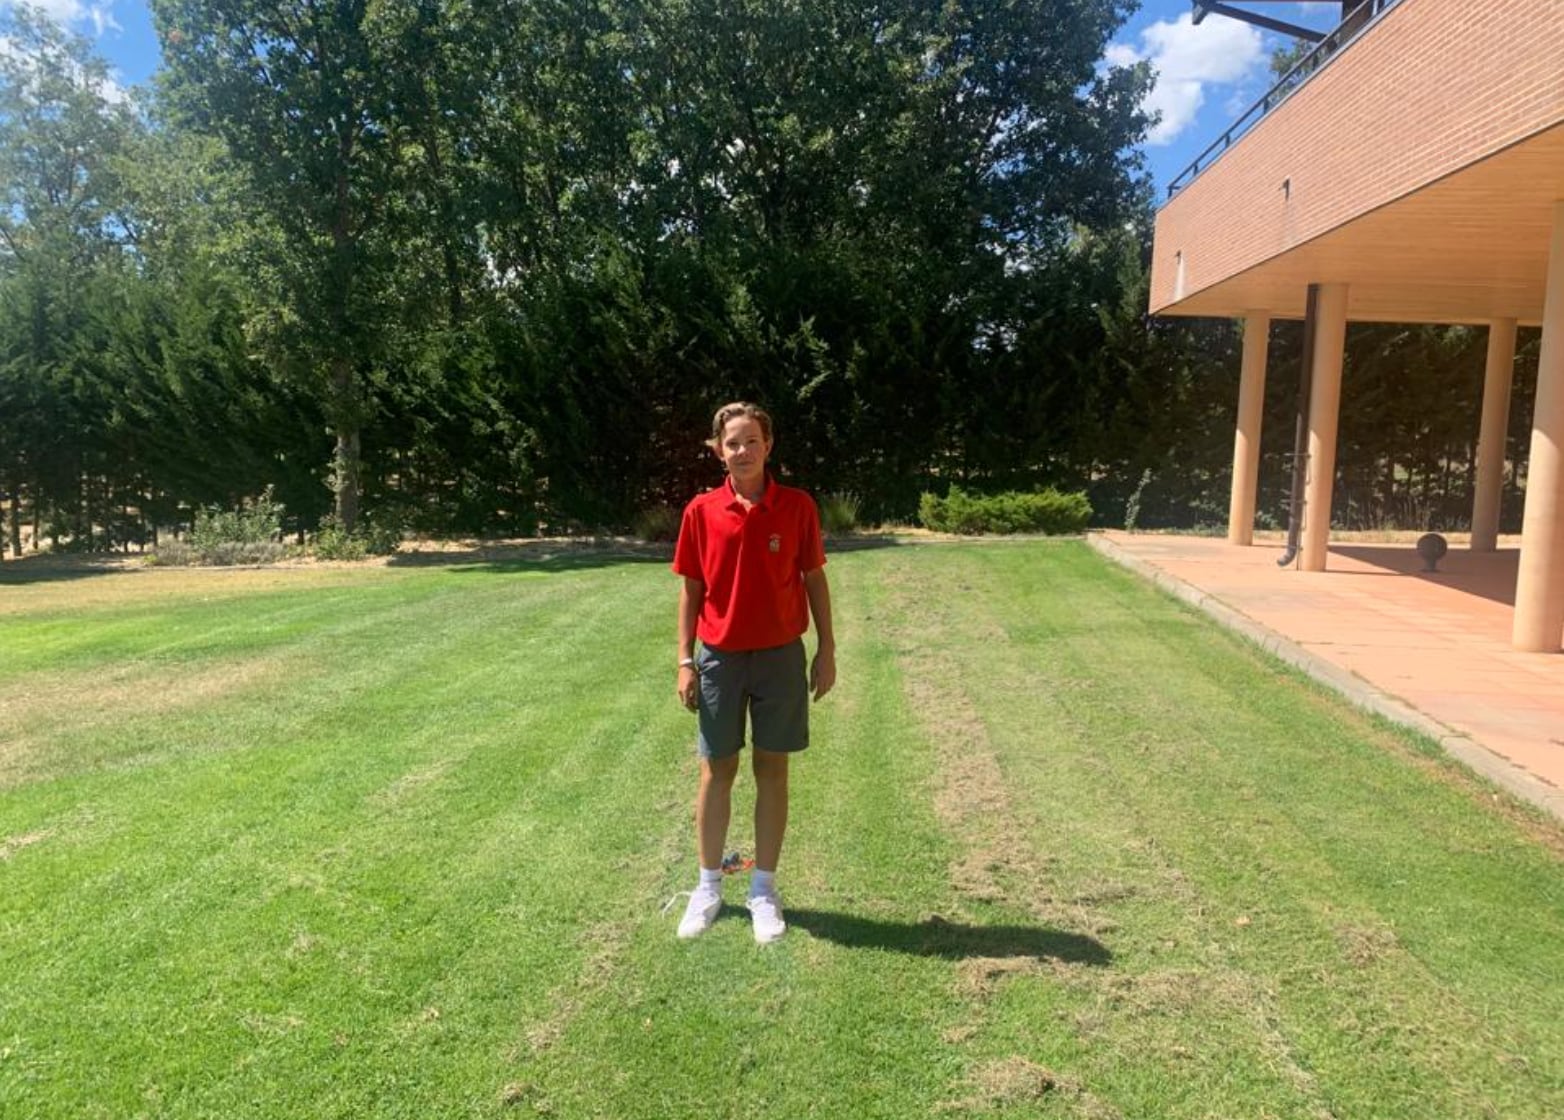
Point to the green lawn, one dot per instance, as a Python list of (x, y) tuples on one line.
[(395, 842)]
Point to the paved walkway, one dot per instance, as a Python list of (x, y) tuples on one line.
[(1431, 650)]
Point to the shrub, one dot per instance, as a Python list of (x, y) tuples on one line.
[(254, 522), (171, 551), (371, 538), (332, 542), (225, 553), (247, 535), (1045, 511), (839, 513), (659, 523), (381, 537)]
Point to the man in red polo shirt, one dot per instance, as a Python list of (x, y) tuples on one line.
[(754, 575)]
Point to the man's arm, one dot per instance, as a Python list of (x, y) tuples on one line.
[(822, 674), (692, 592)]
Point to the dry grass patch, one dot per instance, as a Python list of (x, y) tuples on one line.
[(978, 977), (1364, 946), (974, 801), (411, 782), (52, 710), (13, 844), (1204, 995), (606, 944), (76, 585), (1016, 1081)]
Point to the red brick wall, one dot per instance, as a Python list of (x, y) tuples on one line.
[(1434, 86)]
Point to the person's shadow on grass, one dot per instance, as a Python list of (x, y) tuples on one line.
[(936, 937)]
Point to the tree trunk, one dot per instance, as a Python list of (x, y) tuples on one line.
[(16, 520), (344, 390), (345, 473), (345, 462), (84, 519)]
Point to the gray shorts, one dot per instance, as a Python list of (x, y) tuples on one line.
[(772, 685)]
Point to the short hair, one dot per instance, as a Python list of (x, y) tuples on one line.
[(734, 411)]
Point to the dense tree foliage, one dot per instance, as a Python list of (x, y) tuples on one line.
[(477, 267)]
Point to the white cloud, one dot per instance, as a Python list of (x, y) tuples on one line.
[(102, 16), (1121, 54), (65, 12), (68, 13), (112, 91), (108, 87), (1188, 59)]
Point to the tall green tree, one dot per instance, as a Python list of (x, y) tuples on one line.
[(199, 416), (304, 95), (62, 126), (848, 211)]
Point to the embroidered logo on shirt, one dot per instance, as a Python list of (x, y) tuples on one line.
[(776, 542)]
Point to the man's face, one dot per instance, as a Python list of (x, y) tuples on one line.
[(743, 450)]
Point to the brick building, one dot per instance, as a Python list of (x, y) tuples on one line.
[(1411, 171)]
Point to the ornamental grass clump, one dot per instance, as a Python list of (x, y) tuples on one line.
[(657, 524), (838, 513)]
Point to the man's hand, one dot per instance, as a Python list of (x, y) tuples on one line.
[(822, 673), (689, 681)]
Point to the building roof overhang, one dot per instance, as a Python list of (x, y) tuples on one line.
[(1469, 247)]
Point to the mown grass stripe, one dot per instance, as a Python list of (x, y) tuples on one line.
[(419, 871)]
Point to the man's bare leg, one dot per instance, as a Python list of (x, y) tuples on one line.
[(770, 807), (713, 807), (765, 909)]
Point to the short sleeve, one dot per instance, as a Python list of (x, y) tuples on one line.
[(811, 549)]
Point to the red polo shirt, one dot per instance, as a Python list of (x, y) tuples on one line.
[(752, 562)]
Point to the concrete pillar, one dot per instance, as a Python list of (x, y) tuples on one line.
[(1330, 340), (1491, 436), (1539, 589), (1246, 443)]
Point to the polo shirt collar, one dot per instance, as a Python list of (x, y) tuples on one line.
[(765, 495)]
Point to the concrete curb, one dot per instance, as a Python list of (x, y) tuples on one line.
[(1466, 750)]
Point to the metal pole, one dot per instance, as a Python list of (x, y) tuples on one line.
[(1300, 439)]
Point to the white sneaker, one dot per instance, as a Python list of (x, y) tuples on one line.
[(765, 910), (701, 912)]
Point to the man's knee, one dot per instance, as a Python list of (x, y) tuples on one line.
[(770, 766), (720, 771)]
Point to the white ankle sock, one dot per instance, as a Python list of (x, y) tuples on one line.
[(711, 877), (763, 882)]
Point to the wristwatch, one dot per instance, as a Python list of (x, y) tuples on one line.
[(688, 663)]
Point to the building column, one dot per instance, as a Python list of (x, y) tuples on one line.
[(1491, 436), (1246, 442), (1330, 339), (1539, 589)]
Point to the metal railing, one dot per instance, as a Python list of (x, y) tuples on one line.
[(1335, 41)]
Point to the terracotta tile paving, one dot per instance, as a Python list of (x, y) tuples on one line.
[(1438, 641)]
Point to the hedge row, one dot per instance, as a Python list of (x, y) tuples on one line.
[(1046, 511)]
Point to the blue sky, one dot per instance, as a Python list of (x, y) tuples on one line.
[(1208, 74)]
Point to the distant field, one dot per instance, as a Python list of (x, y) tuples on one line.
[(394, 842)]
